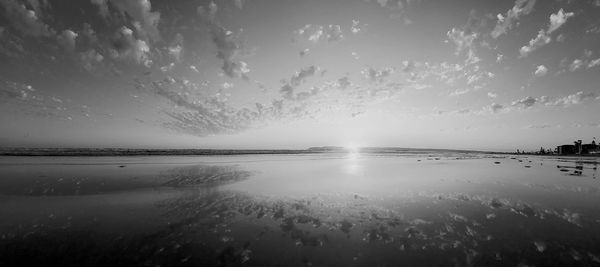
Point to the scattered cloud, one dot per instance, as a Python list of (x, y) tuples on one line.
[(301, 75), (507, 22), (210, 11), (499, 58), (91, 59), (24, 20), (543, 38), (67, 39), (576, 64), (287, 90), (540, 71), (539, 126), (228, 49), (127, 48), (145, 21), (304, 52), (176, 47), (377, 75), (558, 19), (315, 33), (574, 99), (464, 41), (355, 27), (102, 6), (496, 108), (540, 40), (524, 102)]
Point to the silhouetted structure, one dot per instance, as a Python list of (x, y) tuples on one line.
[(565, 149), (578, 148)]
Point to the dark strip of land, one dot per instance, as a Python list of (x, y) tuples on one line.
[(199, 152)]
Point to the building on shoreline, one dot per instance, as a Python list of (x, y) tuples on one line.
[(578, 148)]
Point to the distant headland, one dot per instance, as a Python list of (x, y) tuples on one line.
[(206, 152)]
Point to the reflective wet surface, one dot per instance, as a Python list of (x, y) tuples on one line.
[(300, 210)]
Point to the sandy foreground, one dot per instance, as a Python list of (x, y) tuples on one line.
[(451, 209)]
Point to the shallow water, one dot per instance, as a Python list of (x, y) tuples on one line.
[(300, 210)]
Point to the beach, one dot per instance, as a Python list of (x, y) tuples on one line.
[(326, 209)]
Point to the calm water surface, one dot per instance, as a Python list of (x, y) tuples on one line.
[(300, 210)]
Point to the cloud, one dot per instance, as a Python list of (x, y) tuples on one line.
[(210, 11), (211, 115), (499, 58), (506, 22), (540, 40), (304, 52), (228, 49), (375, 75), (464, 41), (461, 39), (539, 126), (228, 46), (570, 100), (287, 90), (355, 27), (301, 75), (540, 71), (127, 48), (67, 39), (102, 6), (492, 95), (576, 64), (315, 33), (176, 48), (144, 20), (543, 37), (593, 63), (495, 108), (558, 19), (525, 102), (343, 83), (25, 20), (91, 59), (334, 33), (574, 99)]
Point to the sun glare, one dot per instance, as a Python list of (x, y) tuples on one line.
[(353, 150)]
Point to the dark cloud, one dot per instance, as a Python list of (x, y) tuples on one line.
[(144, 20), (24, 20), (127, 48)]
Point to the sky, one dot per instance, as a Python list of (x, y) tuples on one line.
[(240, 74)]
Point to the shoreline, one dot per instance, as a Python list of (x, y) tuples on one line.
[(115, 152)]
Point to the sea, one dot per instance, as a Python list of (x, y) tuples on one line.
[(318, 209)]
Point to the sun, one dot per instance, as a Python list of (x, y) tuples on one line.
[(352, 148)]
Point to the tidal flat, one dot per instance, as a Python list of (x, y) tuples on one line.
[(330, 209)]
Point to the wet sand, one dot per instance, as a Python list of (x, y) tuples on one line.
[(446, 209)]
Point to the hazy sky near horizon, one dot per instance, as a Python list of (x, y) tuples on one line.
[(477, 74)]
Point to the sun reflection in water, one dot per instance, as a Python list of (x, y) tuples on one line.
[(353, 165)]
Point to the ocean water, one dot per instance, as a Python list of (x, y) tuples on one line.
[(414, 209)]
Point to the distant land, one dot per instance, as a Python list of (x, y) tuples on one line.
[(198, 152)]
